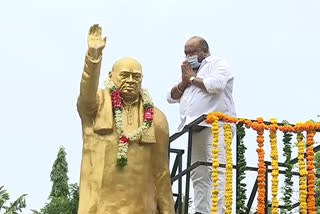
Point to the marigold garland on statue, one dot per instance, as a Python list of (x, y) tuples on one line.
[(215, 163), (274, 163), (228, 184), (126, 138), (259, 127), (303, 173)]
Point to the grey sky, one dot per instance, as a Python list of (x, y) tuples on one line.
[(272, 47)]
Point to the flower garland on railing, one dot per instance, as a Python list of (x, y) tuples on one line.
[(259, 127), (125, 138), (317, 183), (241, 165), (212, 119), (274, 163), (287, 189), (309, 126), (303, 173), (229, 166)]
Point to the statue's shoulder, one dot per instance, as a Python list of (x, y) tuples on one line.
[(159, 118), (102, 95), (103, 92)]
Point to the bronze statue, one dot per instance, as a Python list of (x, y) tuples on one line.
[(124, 167)]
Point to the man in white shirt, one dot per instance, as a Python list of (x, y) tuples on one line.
[(206, 86)]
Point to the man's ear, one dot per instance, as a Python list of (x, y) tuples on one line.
[(206, 53), (110, 74)]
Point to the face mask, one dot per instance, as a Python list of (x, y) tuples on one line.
[(193, 61)]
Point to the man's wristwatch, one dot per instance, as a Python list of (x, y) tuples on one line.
[(191, 79)]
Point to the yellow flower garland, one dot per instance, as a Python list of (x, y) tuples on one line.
[(274, 163), (303, 173), (228, 185), (215, 164)]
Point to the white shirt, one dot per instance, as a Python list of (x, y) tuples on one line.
[(218, 81)]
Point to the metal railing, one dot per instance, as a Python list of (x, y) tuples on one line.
[(177, 172)]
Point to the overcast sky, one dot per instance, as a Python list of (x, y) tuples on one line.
[(272, 47)]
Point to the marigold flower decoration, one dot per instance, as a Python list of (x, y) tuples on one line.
[(246, 122), (274, 163), (286, 128), (307, 205), (302, 172), (228, 184), (311, 131), (211, 118), (259, 127), (306, 198)]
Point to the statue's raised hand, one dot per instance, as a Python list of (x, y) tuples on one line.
[(95, 42)]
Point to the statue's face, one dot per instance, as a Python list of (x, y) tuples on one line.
[(127, 76)]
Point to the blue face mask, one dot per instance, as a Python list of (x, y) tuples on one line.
[(193, 61)]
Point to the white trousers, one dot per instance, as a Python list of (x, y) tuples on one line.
[(201, 176)]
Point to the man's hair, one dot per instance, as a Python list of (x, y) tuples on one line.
[(203, 43)]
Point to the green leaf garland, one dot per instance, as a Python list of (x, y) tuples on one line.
[(241, 164), (287, 188)]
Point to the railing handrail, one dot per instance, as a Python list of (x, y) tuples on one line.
[(187, 127)]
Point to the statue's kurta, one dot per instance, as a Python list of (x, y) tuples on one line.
[(141, 187)]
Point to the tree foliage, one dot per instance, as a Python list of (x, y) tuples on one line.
[(63, 198), (59, 176), (14, 207)]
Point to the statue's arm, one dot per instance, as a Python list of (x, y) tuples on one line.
[(87, 101), (161, 165)]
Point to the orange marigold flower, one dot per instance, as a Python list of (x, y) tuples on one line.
[(241, 120), (248, 123), (259, 119)]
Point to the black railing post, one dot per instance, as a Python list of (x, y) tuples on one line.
[(186, 199), (252, 196), (180, 187)]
